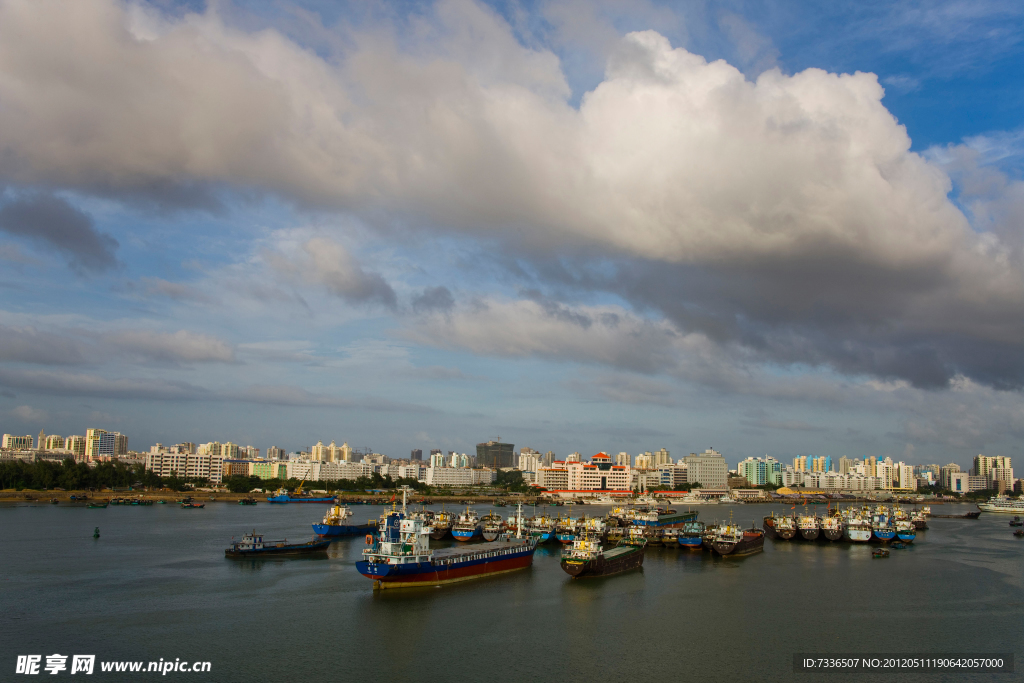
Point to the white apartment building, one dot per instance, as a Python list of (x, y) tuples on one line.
[(554, 478), (597, 475), (186, 465), (459, 476), (707, 468)]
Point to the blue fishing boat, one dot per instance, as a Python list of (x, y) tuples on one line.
[(691, 535), (467, 527)]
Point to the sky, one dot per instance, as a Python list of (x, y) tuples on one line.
[(763, 227)]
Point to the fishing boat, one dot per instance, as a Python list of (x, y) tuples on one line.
[(808, 526), (707, 541), (400, 556), (905, 530), (832, 527), (247, 501), (659, 517), (253, 545), (882, 529), (467, 526), (336, 523), (491, 526), (565, 530), (670, 537), (919, 519), (856, 528), (542, 528), (190, 505), (588, 558), (736, 542), (441, 525), (97, 505), (691, 535), (1016, 521), (1018, 532), (879, 553)]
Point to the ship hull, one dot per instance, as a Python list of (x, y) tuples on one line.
[(465, 535), (332, 530), (304, 549), (833, 534), (691, 542), (491, 534), (809, 534), (857, 534), (288, 499), (387, 576), (440, 533), (883, 535), (566, 538), (600, 566), (786, 534), (769, 527), (906, 536)]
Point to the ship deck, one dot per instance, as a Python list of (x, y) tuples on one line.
[(616, 552), (476, 548)]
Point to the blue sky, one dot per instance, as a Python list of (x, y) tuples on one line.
[(577, 226)]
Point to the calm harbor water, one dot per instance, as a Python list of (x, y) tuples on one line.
[(156, 585)]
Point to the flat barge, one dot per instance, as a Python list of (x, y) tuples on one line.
[(253, 545)]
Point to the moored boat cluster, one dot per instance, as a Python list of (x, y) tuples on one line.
[(879, 523)]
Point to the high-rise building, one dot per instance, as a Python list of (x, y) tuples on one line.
[(275, 453), (708, 469), (53, 442), (800, 463), (760, 471), (495, 454), (76, 444), (17, 443), (845, 465), (661, 457), (436, 458), (624, 458), (417, 454), (983, 465), (549, 458)]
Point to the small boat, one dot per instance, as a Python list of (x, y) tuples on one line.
[(253, 545), (97, 505), (1018, 532), (899, 545), (185, 506), (161, 502), (247, 501), (879, 552), (1016, 521)]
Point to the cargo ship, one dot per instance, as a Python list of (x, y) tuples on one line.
[(400, 556), (690, 535), (336, 523), (588, 558), (856, 528), (735, 542), (659, 517), (282, 496), (467, 527), (253, 545)]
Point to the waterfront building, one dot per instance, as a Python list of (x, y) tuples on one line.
[(17, 443), (495, 454), (707, 468), (554, 478), (188, 465), (414, 471), (958, 482), (450, 476), (597, 475), (672, 474), (760, 471)]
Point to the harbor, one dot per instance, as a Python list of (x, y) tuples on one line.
[(154, 572)]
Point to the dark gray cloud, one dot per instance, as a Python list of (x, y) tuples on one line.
[(52, 221), (28, 345), (433, 299)]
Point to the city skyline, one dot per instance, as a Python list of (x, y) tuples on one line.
[(425, 226)]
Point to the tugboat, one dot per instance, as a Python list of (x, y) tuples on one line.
[(691, 535), (400, 556), (253, 545), (735, 542), (334, 524), (467, 527), (588, 558)]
